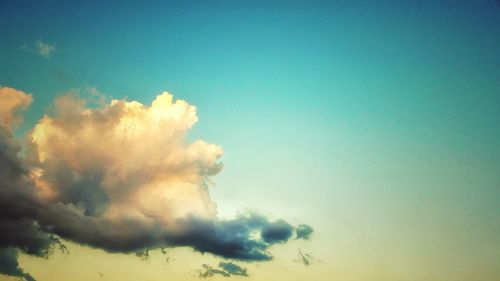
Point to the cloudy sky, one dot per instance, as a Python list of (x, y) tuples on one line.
[(250, 140)]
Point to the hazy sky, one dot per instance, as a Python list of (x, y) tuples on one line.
[(377, 123)]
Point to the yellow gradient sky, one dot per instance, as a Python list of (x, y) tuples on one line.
[(375, 122)]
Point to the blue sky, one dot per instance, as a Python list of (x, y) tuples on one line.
[(376, 119)]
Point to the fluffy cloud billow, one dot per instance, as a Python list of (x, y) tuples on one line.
[(121, 177)]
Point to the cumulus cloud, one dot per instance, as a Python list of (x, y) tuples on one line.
[(125, 161), (12, 103), (119, 176)]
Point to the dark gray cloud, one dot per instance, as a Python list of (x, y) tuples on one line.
[(233, 269), (10, 266), (277, 232), (235, 239), (303, 231), (18, 228), (247, 237), (225, 269), (26, 235)]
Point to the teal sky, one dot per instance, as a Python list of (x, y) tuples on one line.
[(378, 124)]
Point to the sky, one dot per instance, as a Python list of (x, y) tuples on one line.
[(250, 140)]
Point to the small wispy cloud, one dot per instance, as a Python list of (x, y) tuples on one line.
[(233, 269), (143, 255), (304, 231), (45, 49), (226, 269), (305, 258), (40, 48)]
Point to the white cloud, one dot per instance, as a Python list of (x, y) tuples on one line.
[(133, 156), (11, 102), (40, 48), (45, 49)]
